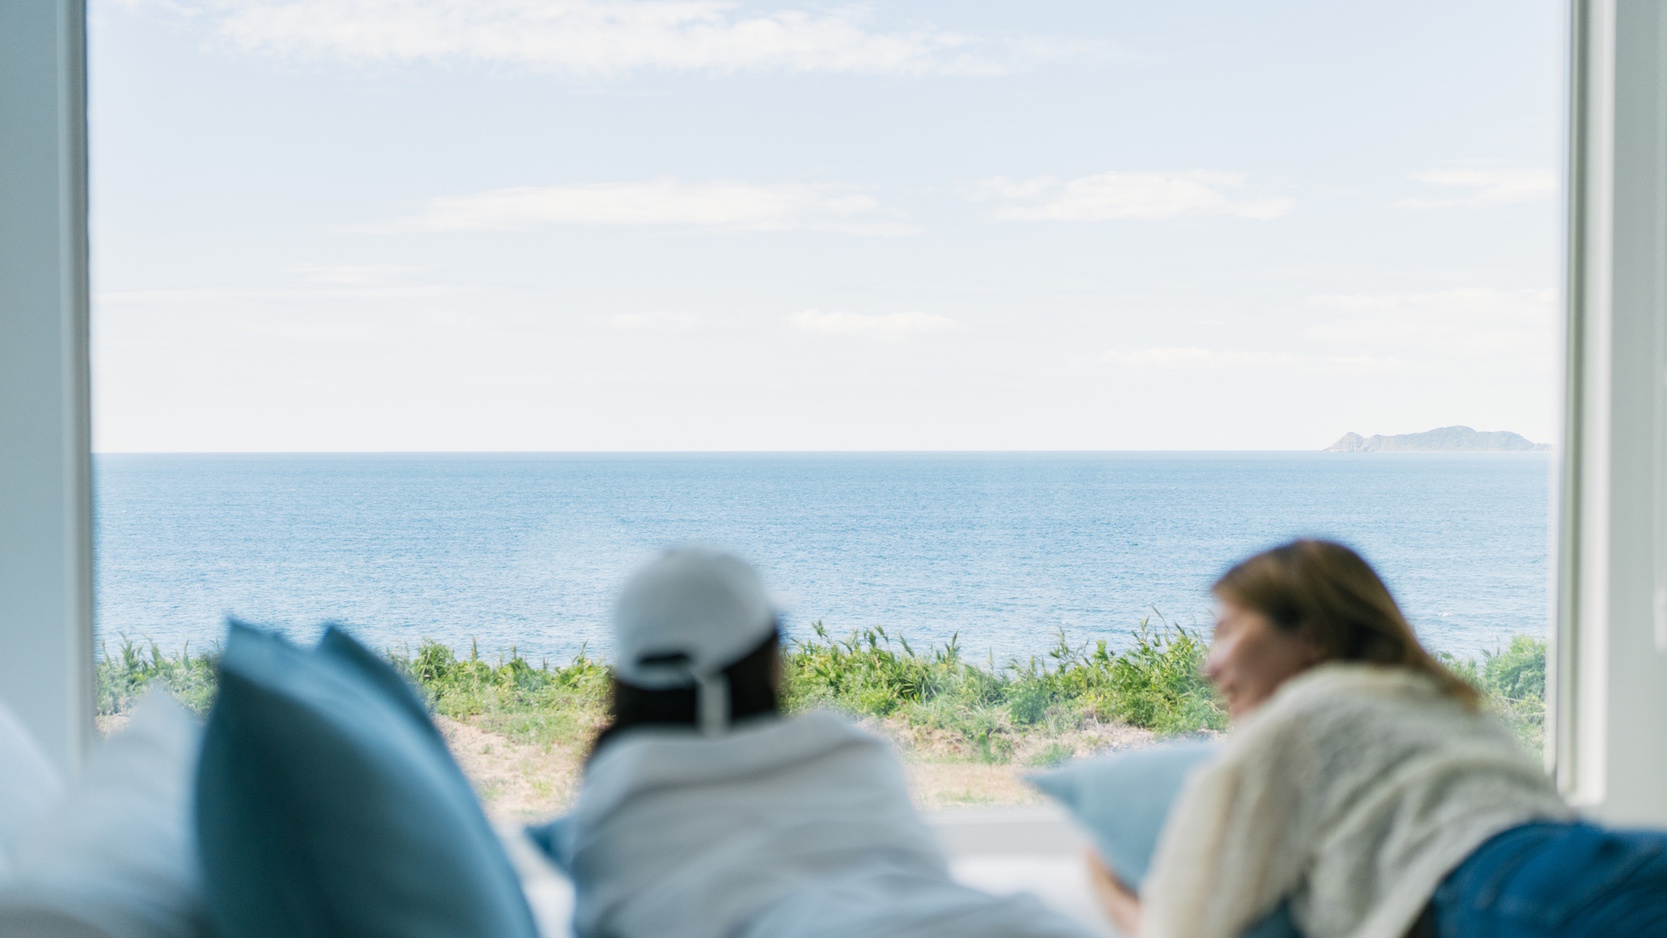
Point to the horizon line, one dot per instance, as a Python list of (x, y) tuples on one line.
[(775, 452)]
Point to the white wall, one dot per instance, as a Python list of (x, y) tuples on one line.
[(45, 495), (1610, 694)]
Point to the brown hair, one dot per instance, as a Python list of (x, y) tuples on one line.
[(1329, 593)]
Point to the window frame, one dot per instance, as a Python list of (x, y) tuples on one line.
[(1607, 672), (46, 579)]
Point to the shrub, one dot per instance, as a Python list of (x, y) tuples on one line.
[(123, 678), (1512, 680), (1159, 683), (1156, 682), (543, 706)]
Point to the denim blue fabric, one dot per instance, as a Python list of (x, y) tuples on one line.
[(328, 805), (1571, 880)]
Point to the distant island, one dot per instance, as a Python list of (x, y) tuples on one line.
[(1442, 440)]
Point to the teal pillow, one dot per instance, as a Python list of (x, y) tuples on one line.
[(328, 804), (548, 838)]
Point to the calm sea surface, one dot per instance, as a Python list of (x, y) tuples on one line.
[(1003, 550)]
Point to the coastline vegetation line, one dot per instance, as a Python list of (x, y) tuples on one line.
[(933, 701)]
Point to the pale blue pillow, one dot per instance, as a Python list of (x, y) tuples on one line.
[(1123, 799), (328, 804)]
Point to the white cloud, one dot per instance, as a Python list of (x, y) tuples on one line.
[(1139, 196), (1470, 323), (352, 274), (668, 202), (1483, 183), (661, 321), (1439, 330), (885, 327), (185, 296), (1193, 357), (318, 282), (598, 37), (1000, 187)]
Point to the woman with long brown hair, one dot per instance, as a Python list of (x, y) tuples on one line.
[(1365, 786)]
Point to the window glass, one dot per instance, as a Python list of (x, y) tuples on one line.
[(991, 333)]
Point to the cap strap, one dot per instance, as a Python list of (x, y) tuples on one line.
[(712, 703)]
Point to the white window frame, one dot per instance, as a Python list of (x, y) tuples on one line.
[(1607, 701), (1607, 716), (46, 580)]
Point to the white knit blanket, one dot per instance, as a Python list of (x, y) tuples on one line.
[(1353, 791), (789, 828)]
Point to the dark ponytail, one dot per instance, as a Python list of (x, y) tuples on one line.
[(752, 681)]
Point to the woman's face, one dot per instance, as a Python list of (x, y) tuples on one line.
[(1250, 657)]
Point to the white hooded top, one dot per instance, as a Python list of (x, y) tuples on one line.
[(783, 827), (1354, 791)]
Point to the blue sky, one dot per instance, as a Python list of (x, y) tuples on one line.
[(513, 225)]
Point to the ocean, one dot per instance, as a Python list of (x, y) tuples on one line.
[(998, 551)]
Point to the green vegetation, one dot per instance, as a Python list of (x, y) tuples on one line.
[(122, 678), (1154, 684), (1513, 680), (534, 705), (934, 701)]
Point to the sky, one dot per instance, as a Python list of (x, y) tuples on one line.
[(573, 225)]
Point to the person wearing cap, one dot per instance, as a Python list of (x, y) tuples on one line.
[(706, 812)]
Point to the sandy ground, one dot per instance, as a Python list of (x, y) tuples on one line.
[(521, 783), (517, 783), (946, 772)]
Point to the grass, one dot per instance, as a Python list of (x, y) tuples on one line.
[(122, 678), (937, 700), (936, 703), (539, 706)]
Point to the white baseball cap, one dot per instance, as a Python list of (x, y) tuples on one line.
[(686, 616)]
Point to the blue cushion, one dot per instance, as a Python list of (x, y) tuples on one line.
[(328, 804), (548, 838), (1123, 800)]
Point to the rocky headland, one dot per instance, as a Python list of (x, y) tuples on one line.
[(1440, 440)]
